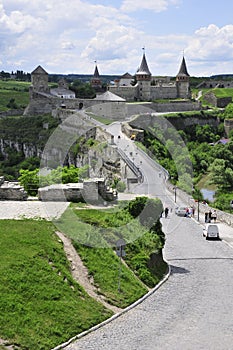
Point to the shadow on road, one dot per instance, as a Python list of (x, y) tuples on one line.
[(177, 269)]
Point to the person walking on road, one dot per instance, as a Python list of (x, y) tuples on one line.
[(166, 212), (214, 215)]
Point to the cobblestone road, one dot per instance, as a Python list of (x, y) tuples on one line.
[(193, 310)]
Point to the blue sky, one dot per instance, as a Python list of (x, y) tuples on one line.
[(69, 36)]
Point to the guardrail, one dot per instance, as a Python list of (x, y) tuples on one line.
[(131, 165)]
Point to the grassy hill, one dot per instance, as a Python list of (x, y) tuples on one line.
[(16, 92), (41, 305)]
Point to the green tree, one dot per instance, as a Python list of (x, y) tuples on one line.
[(228, 112), (29, 179), (221, 175)]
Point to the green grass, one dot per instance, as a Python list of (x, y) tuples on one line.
[(101, 229), (41, 305), (100, 119), (104, 265), (21, 98), (12, 89)]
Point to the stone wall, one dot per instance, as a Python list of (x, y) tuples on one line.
[(152, 107), (129, 93), (228, 125), (220, 102), (145, 121), (89, 191), (11, 191), (177, 106), (107, 109), (41, 103), (163, 92)]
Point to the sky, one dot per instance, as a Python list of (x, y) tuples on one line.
[(71, 37)]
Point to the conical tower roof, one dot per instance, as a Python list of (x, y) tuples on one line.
[(183, 69), (143, 69), (96, 73)]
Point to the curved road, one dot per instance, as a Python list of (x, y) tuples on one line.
[(193, 310)]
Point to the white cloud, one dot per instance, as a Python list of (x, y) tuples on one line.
[(212, 43), (67, 37), (153, 5)]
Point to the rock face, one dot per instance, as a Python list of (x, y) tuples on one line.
[(11, 191)]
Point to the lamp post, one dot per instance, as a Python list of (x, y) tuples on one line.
[(198, 203), (174, 188)]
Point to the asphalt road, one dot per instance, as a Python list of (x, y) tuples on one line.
[(193, 309)]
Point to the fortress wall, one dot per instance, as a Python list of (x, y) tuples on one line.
[(147, 120), (44, 103), (111, 110), (127, 92), (163, 92), (179, 106)]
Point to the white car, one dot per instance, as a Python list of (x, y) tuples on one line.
[(181, 211), (211, 231)]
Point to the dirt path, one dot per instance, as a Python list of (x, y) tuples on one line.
[(80, 272)]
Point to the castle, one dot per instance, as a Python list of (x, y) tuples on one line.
[(148, 88), (114, 103)]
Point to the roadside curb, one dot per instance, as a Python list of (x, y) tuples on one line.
[(128, 308)]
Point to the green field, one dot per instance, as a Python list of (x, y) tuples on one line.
[(16, 90)]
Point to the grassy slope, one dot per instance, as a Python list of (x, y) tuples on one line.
[(12, 89), (41, 305)]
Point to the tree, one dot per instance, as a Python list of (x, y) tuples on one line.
[(29, 179), (221, 175), (228, 112)]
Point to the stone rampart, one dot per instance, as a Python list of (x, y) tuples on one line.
[(89, 191), (41, 103), (145, 121), (116, 110)]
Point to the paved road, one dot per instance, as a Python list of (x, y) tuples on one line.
[(193, 310)]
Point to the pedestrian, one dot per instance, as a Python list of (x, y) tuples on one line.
[(214, 215), (206, 216), (210, 216), (193, 211), (166, 212)]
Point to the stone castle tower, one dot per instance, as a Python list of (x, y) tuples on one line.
[(96, 81), (143, 77), (182, 81), (39, 80)]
